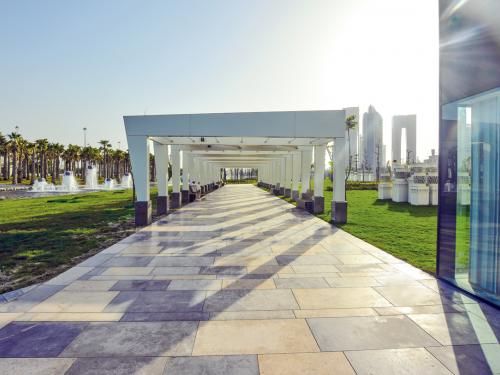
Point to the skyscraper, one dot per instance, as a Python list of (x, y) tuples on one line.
[(372, 139)]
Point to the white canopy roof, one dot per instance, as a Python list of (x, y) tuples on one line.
[(240, 139)]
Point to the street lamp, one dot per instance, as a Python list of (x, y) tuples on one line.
[(84, 137)]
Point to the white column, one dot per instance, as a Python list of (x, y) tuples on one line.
[(139, 157), (288, 172), (296, 173), (276, 172), (339, 166), (161, 163), (319, 170), (176, 175), (306, 157), (282, 171), (176, 168), (185, 169), (203, 179)]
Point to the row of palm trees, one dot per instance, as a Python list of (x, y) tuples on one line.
[(21, 159)]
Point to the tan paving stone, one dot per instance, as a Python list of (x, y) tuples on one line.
[(351, 282), (303, 275), (248, 284), (195, 285), (8, 317), (457, 328), (264, 269), (411, 295), (338, 298), (335, 313), (76, 317), (414, 361), (358, 259), (90, 286), (35, 366), (175, 271), (305, 363), (122, 277), (430, 309), (245, 261), (252, 315), (75, 302), (185, 277), (131, 271), (317, 268), (254, 337)]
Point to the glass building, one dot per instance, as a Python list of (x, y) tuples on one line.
[(469, 160)]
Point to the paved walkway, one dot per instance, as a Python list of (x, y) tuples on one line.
[(244, 283)]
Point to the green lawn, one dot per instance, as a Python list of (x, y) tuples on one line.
[(41, 237), (405, 231)]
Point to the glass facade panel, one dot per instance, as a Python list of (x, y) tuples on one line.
[(477, 219), (469, 160)]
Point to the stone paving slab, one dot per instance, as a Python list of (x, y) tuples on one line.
[(244, 283)]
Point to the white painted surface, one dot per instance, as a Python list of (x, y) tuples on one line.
[(161, 163), (139, 158), (319, 170)]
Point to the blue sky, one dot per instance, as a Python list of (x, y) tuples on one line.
[(69, 64)]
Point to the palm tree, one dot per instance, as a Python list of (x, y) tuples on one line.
[(31, 154), (15, 141), (23, 160), (105, 146), (4, 153), (118, 158), (58, 150), (71, 155), (350, 124), (42, 145)]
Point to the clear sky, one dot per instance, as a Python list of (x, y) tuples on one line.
[(67, 64)]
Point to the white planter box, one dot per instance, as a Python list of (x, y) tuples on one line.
[(384, 190), (419, 195), (400, 191)]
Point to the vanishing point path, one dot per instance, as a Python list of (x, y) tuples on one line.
[(244, 283)]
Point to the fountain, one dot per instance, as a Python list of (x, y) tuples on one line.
[(91, 178), (109, 184), (68, 182), (126, 182), (70, 185), (41, 185)]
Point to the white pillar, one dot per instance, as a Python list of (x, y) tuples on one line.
[(282, 172), (295, 175), (288, 173), (161, 163), (186, 156), (319, 178), (339, 166), (306, 156), (339, 204), (276, 172), (319, 170), (176, 175), (185, 170), (139, 157)]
